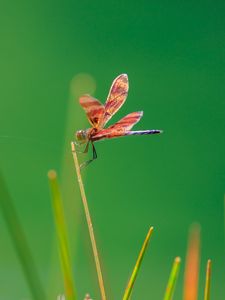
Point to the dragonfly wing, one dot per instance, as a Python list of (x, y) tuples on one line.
[(120, 128), (128, 121), (94, 109), (117, 96), (108, 134)]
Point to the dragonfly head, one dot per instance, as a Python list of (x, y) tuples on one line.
[(81, 136)]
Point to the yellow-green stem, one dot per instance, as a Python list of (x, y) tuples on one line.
[(207, 280), (131, 282), (62, 236), (172, 279)]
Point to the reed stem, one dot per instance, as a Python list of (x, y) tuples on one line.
[(89, 223)]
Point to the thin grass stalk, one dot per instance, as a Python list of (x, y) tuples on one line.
[(20, 243), (89, 223), (131, 282), (62, 236), (192, 264), (172, 279), (207, 280)]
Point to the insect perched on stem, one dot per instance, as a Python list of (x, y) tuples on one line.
[(98, 115)]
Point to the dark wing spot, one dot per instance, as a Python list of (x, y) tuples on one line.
[(95, 120)]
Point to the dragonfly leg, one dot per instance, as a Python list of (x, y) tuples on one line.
[(90, 160), (94, 151), (86, 147)]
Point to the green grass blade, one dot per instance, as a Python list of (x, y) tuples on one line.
[(131, 282), (20, 243), (62, 236), (207, 280), (172, 279)]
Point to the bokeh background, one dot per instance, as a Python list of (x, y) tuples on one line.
[(174, 55)]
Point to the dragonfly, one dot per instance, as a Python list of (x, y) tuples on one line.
[(99, 114)]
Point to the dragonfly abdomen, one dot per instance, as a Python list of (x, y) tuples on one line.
[(141, 132)]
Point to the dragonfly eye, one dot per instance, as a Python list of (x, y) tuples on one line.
[(81, 135)]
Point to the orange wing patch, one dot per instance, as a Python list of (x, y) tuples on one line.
[(128, 121), (117, 96), (119, 128), (94, 109)]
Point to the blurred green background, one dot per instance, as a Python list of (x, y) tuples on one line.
[(173, 53)]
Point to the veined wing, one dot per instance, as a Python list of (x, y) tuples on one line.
[(94, 109), (120, 128), (117, 96), (128, 121)]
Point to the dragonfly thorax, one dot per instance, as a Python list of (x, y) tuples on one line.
[(82, 135)]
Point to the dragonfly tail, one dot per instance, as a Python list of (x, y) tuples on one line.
[(141, 132)]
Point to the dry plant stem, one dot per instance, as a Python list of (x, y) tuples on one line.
[(137, 266), (207, 280), (89, 223), (172, 279)]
